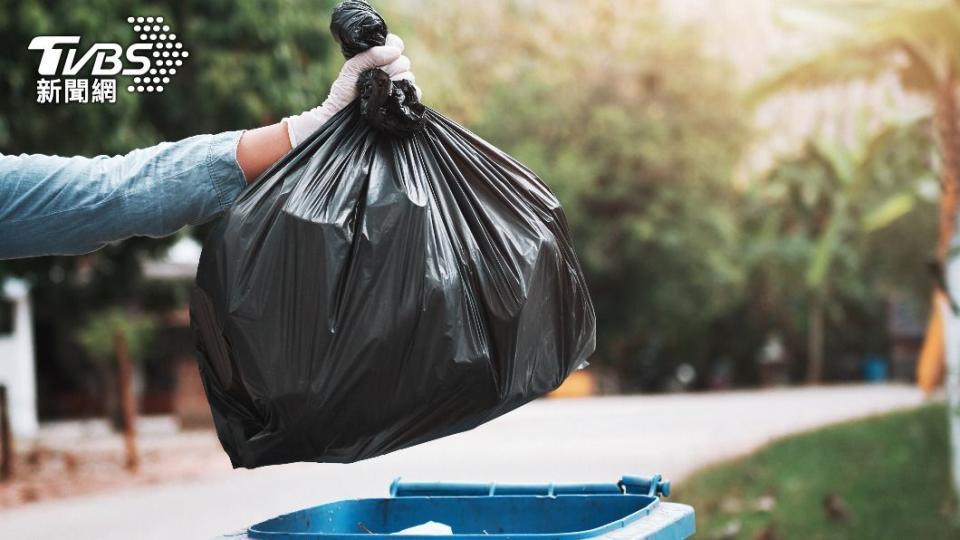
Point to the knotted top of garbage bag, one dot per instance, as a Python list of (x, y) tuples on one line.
[(389, 106), (357, 27)]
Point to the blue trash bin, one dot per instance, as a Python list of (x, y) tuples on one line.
[(629, 509), (875, 369)]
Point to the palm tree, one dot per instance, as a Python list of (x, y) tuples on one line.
[(921, 44)]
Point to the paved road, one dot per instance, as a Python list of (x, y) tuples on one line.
[(595, 439)]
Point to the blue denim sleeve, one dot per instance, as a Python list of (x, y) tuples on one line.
[(53, 205)]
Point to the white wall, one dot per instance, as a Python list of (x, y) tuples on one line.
[(17, 371), (952, 383)]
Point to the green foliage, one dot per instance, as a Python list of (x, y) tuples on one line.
[(98, 335), (891, 473), (920, 43), (853, 225)]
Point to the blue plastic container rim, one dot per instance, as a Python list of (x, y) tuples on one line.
[(645, 504), (629, 500)]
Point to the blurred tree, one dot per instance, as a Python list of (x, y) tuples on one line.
[(827, 236), (99, 338), (921, 43), (97, 335), (251, 63)]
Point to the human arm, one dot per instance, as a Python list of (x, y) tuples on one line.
[(52, 205)]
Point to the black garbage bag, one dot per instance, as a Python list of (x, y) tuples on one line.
[(392, 280)]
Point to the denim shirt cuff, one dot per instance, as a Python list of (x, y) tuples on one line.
[(225, 173)]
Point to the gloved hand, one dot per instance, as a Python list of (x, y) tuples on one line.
[(388, 57)]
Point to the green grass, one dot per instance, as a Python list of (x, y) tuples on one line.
[(890, 473)]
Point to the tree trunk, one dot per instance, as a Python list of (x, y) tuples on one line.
[(815, 323), (948, 140), (6, 437), (127, 406)]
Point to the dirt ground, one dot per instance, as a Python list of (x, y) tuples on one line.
[(85, 458)]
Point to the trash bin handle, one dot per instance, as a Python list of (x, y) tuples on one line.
[(627, 485), (653, 486)]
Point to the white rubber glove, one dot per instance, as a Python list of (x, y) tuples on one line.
[(388, 57)]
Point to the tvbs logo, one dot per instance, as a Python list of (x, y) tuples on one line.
[(106, 57), (151, 61)]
